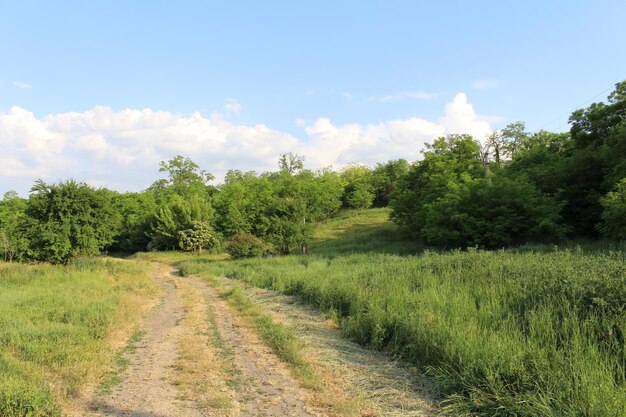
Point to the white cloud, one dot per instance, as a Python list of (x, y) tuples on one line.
[(21, 85), (123, 148), (232, 107), (403, 95), (485, 84), (11, 167), (348, 96), (460, 117)]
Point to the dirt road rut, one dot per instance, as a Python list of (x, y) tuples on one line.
[(199, 357)]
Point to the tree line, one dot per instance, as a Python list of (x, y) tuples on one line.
[(510, 188)]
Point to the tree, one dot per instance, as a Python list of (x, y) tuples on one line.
[(358, 188), (68, 219), (613, 224), (449, 161), (385, 178), (291, 163), (492, 214), (136, 212), (177, 215), (184, 178), (13, 244), (597, 161)]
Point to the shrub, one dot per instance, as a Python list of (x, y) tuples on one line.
[(198, 237), (245, 245)]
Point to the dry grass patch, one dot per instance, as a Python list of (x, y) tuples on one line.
[(201, 371)]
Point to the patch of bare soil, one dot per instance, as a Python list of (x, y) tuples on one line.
[(265, 386), (199, 358), (357, 381), (145, 390)]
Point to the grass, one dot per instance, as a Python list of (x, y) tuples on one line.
[(114, 375), (279, 337), (535, 331), (56, 325)]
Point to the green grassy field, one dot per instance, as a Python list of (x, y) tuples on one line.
[(524, 332), (55, 325)]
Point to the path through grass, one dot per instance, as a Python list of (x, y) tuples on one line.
[(523, 332)]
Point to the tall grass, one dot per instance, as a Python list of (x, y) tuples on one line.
[(524, 333), (54, 323)]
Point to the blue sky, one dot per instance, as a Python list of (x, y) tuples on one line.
[(100, 91)]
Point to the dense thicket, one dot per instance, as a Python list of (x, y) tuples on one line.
[(510, 188), (518, 187)]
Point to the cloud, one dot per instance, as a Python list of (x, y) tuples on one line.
[(485, 84), (403, 95), (232, 107), (300, 122), (21, 85), (123, 148), (460, 117)]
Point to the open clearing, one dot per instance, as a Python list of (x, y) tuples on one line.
[(200, 357)]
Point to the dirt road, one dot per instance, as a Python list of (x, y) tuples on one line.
[(199, 357)]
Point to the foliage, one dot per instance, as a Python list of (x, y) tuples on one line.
[(199, 236), (492, 214), (358, 189), (184, 176), (291, 163), (68, 219), (136, 212), (13, 244), (521, 332), (175, 215), (245, 245), (448, 163), (613, 223), (385, 178)]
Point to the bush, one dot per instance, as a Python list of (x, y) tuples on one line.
[(245, 245), (198, 237)]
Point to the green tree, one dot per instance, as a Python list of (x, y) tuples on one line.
[(13, 244), (597, 161), (178, 214), (448, 163), (613, 223), (359, 192), (385, 178), (492, 214), (68, 219), (136, 212), (291, 163)]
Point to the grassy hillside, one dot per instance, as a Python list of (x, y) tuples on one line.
[(501, 333), (56, 326)]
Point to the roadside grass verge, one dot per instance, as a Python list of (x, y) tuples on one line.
[(114, 376), (60, 327)]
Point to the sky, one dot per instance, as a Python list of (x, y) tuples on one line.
[(102, 91)]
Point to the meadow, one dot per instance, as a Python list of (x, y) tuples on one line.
[(60, 326), (534, 331)]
